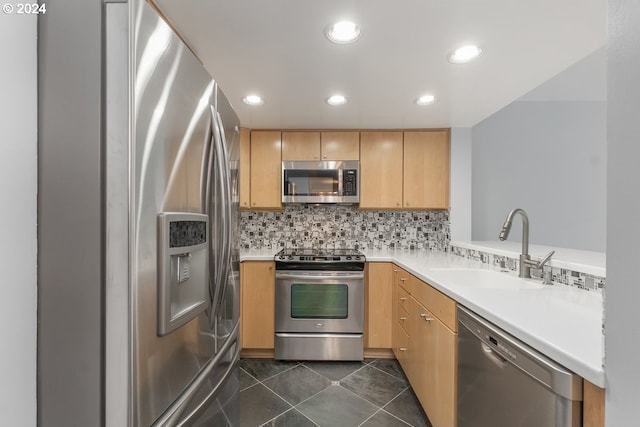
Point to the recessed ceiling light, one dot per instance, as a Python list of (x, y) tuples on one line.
[(253, 100), (336, 100), (342, 32), (464, 54), (426, 100)]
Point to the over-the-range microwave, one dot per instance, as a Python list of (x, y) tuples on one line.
[(327, 181)]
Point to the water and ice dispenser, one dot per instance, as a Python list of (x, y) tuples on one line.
[(183, 272)]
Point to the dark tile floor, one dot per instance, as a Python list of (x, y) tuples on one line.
[(373, 393)]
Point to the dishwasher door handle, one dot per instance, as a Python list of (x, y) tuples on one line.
[(494, 356)]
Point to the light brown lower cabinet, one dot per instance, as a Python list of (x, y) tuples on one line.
[(433, 362), (593, 405), (378, 304), (257, 295), (425, 346)]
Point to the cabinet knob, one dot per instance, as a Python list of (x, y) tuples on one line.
[(407, 203), (397, 204)]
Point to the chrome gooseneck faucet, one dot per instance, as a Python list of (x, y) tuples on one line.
[(525, 259)]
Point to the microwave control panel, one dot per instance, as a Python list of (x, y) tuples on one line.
[(350, 182)]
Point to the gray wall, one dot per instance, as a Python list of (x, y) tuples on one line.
[(460, 213), (18, 187), (70, 270), (548, 158), (622, 346)]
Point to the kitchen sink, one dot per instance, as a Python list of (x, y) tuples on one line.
[(486, 279)]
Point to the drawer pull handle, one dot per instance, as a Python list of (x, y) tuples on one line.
[(403, 298), (403, 349), (403, 279), (424, 316), (403, 318)]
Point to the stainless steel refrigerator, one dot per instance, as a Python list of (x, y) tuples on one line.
[(138, 283)]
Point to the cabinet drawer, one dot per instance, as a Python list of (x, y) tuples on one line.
[(403, 348), (403, 299), (404, 280), (443, 307), (403, 318)]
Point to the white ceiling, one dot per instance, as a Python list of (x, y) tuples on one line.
[(276, 48)]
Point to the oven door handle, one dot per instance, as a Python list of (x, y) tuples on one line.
[(320, 276)]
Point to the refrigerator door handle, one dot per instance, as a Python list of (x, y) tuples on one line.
[(226, 206), (204, 404), (173, 415), (217, 264), (207, 162)]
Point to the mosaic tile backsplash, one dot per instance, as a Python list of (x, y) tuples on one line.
[(339, 227), (559, 276)]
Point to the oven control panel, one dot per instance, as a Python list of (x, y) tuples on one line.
[(315, 258), (310, 259)]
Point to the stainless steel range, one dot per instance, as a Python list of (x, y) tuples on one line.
[(319, 304)]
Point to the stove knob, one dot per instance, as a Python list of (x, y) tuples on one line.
[(281, 256), (348, 257), (358, 257), (290, 257)]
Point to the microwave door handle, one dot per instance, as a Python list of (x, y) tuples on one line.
[(340, 177)]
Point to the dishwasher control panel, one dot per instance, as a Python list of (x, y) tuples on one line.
[(504, 349)]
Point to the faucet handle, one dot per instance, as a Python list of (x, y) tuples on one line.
[(546, 258), (539, 264)]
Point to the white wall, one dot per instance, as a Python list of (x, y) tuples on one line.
[(460, 216), (548, 158), (622, 345), (18, 188)]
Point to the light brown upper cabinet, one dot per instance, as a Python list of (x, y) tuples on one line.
[(335, 145), (311, 145), (266, 168), (300, 146), (426, 169), (245, 168), (381, 170)]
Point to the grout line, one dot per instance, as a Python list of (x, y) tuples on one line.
[(289, 410), (378, 408), (391, 375)]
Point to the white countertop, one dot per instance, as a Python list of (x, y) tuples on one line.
[(561, 322)]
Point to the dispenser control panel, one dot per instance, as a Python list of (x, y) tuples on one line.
[(183, 272)]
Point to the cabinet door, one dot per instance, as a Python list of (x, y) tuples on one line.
[(380, 170), (340, 145), (379, 301), (420, 340), (433, 357), (426, 170), (245, 169), (300, 146), (442, 356), (266, 168), (257, 279)]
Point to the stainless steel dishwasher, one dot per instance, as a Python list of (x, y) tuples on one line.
[(504, 383)]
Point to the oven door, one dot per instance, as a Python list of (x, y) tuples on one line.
[(319, 302)]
